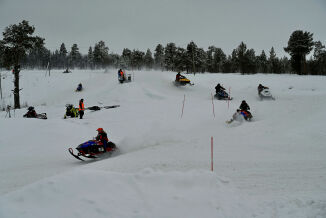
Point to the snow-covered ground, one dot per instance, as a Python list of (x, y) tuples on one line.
[(274, 166)]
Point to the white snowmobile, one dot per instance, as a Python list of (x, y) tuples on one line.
[(265, 94)]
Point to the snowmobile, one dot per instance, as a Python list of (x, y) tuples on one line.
[(97, 108), (265, 94), (71, 111), (183, 81), (66, 71), (92, 149), (79, 87), (124, 78), (222, 95), (31, 113), (240, 115)]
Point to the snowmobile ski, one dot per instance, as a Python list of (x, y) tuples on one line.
[(72, 153)]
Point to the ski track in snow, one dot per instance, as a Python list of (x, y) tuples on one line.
[(273, 166)]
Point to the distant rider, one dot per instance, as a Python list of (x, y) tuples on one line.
[(79, 87), (121, 75), (179, 76), (261, 88), (102, 138), (31, 113), (219, 88)]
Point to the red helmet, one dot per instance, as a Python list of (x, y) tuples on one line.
[(100, 129)]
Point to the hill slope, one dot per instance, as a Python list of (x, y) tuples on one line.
[(272, 166)]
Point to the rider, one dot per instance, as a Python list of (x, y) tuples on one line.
[(102, 138), (79, 87), (121, 75), (219, 88), (179, 76), (244, 107), (81, 108), (31, 112), (261, 88)]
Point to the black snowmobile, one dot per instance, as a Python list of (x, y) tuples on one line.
[(93, 149), (31, 113), (222, 95), (66, 71), (71, 111)]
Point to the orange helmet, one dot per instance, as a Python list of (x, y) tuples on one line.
[(100, 129)]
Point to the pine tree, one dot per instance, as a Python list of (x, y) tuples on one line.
[(319, 58), (200, 61), (137, 59), (90, 58), (74, 56), (218, 60), (17, 42), (170, 56), (273, 62), (299, 45), (100, 54), (63, 56), (180, 61), (148, 59), (192, 54), (209, 61), (240, 53), (262, 62), (125, 61), (227, 66), (159, 57), (250, 65)]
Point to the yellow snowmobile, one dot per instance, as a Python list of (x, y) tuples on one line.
[(182, 81)]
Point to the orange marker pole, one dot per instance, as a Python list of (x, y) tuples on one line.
[(183, 104), (213, 104), (229, 97), (212, 153)]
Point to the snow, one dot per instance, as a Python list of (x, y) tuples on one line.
[(274, 166)]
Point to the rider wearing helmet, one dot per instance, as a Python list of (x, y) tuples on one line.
[(261, 88), (31, 112), (102, 138), (244, 107), (219, 88)]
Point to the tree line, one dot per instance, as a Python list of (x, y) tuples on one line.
[(190, 59), (19, 48)]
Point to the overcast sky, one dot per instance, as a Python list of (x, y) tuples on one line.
[(142, 24)]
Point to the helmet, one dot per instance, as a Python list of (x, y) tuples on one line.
[(30, 108), (243, 101), (82, 99), (100, 130)]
